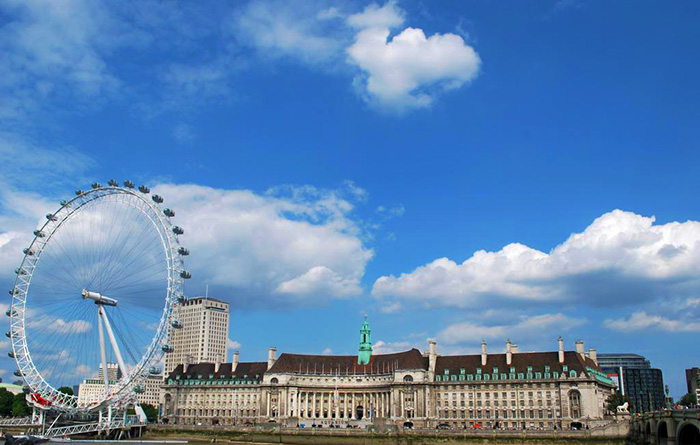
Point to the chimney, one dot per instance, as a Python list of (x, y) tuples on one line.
[(234, 365), (509, 353), (432, 358), (593, 354), (483, 353), (579, 347), (184, 367), (271, 357), (514, 348), (561, 350), (217, 364)]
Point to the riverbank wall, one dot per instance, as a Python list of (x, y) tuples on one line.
[(613, 435)]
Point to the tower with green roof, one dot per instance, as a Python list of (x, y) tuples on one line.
[(364, 352)]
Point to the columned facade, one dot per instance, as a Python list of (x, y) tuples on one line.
[(537, 390)]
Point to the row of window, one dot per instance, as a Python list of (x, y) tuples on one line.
[(487, 395), (487, 403), (503, 376)]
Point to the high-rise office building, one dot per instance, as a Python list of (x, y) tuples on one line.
[(204, 333), (113, 372), (636, 379), (92, 389), (692, 378)]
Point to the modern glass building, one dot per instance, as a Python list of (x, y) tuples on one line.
[(637, 380)]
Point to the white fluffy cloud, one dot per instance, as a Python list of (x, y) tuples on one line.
[(524, 328), (620, 258), (375, 16), (289, 29), (60, 326), (49, 45), (320, 279), (397, 73), (233, 345), (382, 347), (409, 69), (288, 246), (640, 321)]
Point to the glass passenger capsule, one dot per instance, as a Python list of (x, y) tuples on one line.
[(157, 198), (144, 189), (177, 230), (113, 183), (169, 213), (182, 251), (128, 184), (186, 275)]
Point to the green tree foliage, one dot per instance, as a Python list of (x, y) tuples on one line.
[(6, 401), (151, 412), (615, 400), (19, 406), (688, 400), (66, 390)]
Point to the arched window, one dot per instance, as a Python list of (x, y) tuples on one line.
[(575, 404), (274, 381), (572, 373), (408, 378)]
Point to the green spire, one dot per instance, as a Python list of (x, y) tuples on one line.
[(364, 353)]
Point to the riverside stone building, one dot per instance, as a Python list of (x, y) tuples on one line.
[(511, 390)]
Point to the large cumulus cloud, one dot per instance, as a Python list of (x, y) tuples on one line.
[(289, 246), (620, 258)]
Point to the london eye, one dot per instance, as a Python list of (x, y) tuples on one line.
[(94, 297)]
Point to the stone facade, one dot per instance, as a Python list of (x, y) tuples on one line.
[(204, 333), (93, 390), (514, 390)]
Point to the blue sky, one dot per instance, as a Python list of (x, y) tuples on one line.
[(456, 170)]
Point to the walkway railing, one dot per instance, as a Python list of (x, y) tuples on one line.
[(100, 427), (18, 421)]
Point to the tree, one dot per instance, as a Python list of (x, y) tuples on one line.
[(66, 390), (6, 400), (688, 400), (19, 406), (151, 412), (614, 400)]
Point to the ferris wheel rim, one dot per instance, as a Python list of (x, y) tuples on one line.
[(176, 273)]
